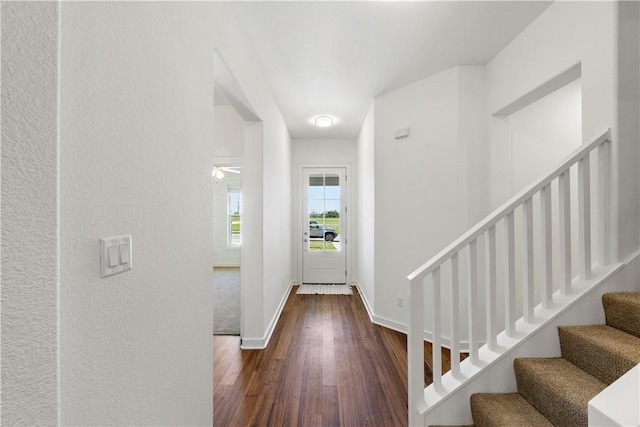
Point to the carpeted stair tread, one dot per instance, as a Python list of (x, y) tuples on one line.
[(504, 409), (557, 388), (606, 353), (622, 311), (452, 426)]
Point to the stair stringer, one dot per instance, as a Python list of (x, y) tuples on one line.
[(496, 375)]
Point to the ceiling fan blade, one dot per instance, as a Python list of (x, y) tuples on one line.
[(232, 170)]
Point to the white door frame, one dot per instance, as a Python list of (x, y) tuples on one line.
[(297, 217)]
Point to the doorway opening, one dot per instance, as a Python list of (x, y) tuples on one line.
[(227, 228)]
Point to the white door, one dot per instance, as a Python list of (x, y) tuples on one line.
[(324, 226)]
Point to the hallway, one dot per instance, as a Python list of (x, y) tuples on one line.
[(326, 365)]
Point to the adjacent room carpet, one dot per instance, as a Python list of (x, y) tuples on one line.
[(226, 301), (324, 290)]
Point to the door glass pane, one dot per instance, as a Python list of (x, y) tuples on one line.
[(324, 212)]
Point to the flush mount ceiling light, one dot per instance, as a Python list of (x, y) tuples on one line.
[(323, 121)]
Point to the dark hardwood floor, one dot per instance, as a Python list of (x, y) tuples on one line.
[(326, 365)]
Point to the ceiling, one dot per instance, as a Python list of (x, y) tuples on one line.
[(334, 58)]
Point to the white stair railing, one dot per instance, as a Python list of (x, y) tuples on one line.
[(483, 236)]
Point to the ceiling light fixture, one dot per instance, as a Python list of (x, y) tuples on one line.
[(323, 121)]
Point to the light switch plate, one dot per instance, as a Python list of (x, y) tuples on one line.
[(115, 246)]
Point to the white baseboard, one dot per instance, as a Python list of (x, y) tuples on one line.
[(261, 343), (401, 327), (364, 299)]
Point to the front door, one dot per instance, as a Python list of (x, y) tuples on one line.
[(324, 226)]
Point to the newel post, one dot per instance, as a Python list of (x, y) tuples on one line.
[(415, 352)]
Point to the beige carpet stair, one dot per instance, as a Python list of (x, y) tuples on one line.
[(622, 310), (617, 351), (557, 388), (505, 409), (556, 391)]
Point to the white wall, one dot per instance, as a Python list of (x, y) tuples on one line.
[(29, 349), (136, 154), (324, 153), (424, 198), (251, 256), (276, 215), (445, 162), (566, 34), (366, 219), (266, 184), (472, 136), (628, 107), (228, 132), (542, 134), (136, 157)]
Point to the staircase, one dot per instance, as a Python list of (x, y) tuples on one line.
[(501, 290), (556, 391)]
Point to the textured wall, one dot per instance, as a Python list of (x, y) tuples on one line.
[(29, 214), (419, 203), (136, 156), (137, 148)]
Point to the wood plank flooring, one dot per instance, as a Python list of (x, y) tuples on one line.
[(326, 365)]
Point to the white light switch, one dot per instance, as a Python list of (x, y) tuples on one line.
[(124, 254), (115, 255)]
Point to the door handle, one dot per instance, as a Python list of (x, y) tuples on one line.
[(305, 240)]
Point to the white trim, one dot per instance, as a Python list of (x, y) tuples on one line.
[(401, 327), (364, 299), (569, 75), (261, 343), (228, 161), (350, 206)]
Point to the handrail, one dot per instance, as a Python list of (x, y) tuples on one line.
[(517, 200)]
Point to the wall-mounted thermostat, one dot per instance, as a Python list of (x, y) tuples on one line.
[(115, 255)]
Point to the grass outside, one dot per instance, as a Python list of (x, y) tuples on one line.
[(318, 245), (235, 223)]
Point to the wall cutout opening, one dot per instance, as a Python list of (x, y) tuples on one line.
[(544, 132)]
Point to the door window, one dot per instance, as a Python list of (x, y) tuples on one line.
[(324, 209)]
